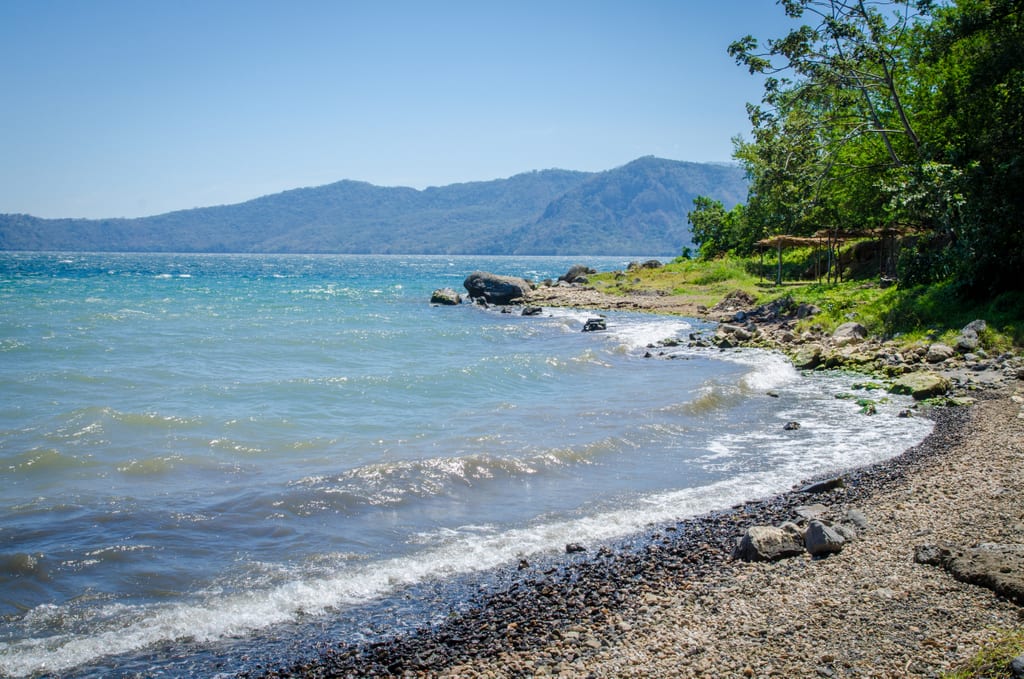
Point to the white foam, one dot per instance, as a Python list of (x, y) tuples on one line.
[(466, 549), (638, 334)]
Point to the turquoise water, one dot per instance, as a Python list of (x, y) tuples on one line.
[(196, 448)]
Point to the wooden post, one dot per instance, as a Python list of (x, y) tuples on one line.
[(778, 275)]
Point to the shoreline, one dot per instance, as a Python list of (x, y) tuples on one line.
[(671, 601)]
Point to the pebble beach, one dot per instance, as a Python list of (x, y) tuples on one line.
[(673, 602)]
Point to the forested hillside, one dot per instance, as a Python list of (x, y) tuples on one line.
[(639, 207)]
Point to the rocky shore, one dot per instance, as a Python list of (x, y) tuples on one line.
[(676, 602)]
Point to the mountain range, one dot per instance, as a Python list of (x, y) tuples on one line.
[(639, 207)]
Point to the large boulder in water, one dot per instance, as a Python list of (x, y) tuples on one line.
[(446, 296), (495, 289)]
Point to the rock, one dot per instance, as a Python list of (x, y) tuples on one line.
[(921, 385), (1017, 667), (805, 310), (575, 272), (856, 518), (931, 555), (446, 296), (649, 264), (532, 310), (848, 533), (978, 326), (848, 333), (793, 528), (807, 357), (937, 353), (968, 341), (767, 543), (574, 548), (998, 567), (791, 426), (811, 512), (495, 289), (822, 540), (822, 486), (593, 324)]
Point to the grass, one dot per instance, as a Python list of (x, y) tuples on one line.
[(705, 282), (993, 660), (922, 314)]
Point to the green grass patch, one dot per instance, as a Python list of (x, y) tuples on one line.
[(922, 314), (993, 660)]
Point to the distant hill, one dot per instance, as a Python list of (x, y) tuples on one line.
[(639, 207)]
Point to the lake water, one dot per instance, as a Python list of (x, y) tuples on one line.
[(207, 453)]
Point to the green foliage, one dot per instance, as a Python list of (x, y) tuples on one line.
[(993, 660), (896, 114)]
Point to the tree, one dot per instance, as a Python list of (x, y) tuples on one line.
[(833, 121), (971, 59), (716, 231)]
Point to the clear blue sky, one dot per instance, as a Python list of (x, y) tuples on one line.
[(115, 108)]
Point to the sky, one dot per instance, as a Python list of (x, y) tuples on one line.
[(112, 108)]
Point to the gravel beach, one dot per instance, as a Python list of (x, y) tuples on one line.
[(673, 602)]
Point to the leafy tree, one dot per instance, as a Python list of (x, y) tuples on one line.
[(896, 113), (833, 121), (971, 66), (716, 231)]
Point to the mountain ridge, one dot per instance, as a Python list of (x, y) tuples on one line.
[(640, 206)]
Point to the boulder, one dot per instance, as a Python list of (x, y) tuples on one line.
[(807, 357), (530, 310), (848, 333), (446, 296), (767, 543), (806, 310), (998, 567), (791, 426), (495, 289), (821, 539), (921, 385), (937, 353), (594, 324), (575, 272), (968, 341), (649, 264), (978, 326)]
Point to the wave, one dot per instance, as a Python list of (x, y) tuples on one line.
[(467, 549), (399, 482)]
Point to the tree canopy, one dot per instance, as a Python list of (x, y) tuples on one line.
[(888, 113)]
